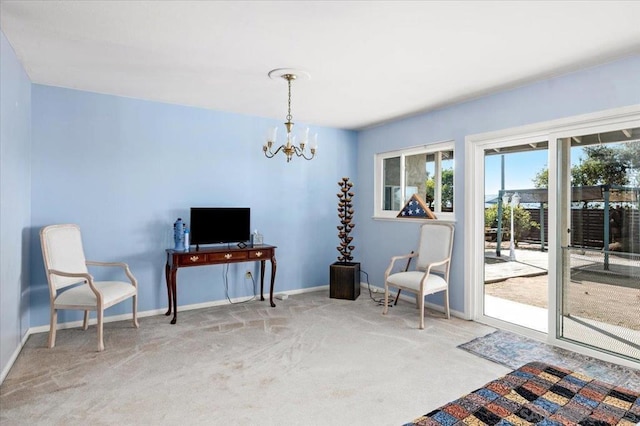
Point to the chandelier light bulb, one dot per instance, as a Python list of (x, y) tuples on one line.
[(271, 134), (305, 136)]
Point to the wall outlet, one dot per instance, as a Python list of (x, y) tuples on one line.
[(247, 274)]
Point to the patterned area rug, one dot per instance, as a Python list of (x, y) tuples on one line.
[(512, 350), (542, 394)]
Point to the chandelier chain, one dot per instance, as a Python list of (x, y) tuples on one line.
[(289, 117)]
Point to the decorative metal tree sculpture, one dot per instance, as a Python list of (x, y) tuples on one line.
[(345, 213)]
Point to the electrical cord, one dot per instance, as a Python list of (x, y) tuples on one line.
[(225, 277), (378, 301)]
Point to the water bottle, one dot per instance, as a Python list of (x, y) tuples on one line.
[(186, 238), (178, 234)]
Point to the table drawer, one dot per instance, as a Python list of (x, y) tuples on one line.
[(227, 256), (191, 259), (260, 254)]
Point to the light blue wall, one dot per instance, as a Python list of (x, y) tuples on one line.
[(125, 169), (15, 200), (603, 87)]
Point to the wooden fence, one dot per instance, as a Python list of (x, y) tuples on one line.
[(587, 228)]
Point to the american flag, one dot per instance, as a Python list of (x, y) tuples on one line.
[(416, 208)]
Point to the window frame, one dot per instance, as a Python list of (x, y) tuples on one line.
[(434, 148)]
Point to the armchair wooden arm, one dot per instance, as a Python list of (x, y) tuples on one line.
[(431, 265), (71, 274), (396, 258), (122, 265)]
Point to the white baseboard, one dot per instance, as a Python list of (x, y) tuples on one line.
[(124, 317), (14, 356), (409, 297), (304, 290)]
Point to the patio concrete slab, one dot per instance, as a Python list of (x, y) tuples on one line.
[(527, 263)]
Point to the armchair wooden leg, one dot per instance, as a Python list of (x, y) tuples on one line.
[(135, 311), (100, 341), (446, 303), (421, 308), (52, 327), (85, 323)]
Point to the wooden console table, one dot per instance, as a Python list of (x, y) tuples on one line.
[(216, 256)]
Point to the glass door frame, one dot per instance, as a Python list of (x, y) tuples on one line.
[(475, 293), (552, 131)]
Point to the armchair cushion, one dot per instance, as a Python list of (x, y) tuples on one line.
[(410, 280), (81, 297)]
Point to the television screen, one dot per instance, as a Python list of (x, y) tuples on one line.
[(213, 225)]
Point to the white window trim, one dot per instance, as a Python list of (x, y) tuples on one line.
[(437, 147)]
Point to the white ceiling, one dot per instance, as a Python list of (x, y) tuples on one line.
[(370, 61)]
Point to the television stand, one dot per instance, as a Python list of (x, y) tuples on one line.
[(216, 256)]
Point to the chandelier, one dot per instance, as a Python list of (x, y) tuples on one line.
[(289, 148)]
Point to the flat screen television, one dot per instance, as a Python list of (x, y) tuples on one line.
[(216, 225)]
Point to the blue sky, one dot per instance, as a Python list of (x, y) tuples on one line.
[(519, 170)]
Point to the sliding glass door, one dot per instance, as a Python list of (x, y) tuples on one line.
[(515, 257), (573, 187), (599, 209)]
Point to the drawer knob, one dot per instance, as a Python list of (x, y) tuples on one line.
[(194, 258), (228, 256), (258, 254)]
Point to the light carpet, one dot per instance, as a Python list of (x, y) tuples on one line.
[(513, 351), (311, 360)]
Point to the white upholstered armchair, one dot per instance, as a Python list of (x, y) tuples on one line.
[(431, 273), (70, 284)]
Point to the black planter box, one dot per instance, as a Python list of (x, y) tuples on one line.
[(344, 280)]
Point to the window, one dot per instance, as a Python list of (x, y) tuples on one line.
[(425, 170)]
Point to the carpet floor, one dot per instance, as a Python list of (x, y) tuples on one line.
[(311, 360), (513, 351)]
